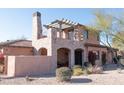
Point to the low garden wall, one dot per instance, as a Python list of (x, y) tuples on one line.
[(30, 65)]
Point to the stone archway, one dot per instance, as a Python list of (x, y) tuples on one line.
[(63, 57), (43, 51), (78, 57)]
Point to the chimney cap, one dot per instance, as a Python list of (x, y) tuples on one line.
[(37, 14)]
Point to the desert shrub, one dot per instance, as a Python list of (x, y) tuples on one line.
[(77, 70), (93, 70), (88, 69), (63, 74), (98, 70), (28, 79), (76, 66), (98, 62)]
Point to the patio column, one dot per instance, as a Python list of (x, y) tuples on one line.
[(86, 54), (100, 56), (82, 57), (72, 59)]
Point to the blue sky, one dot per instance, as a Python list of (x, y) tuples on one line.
[(16, 23)]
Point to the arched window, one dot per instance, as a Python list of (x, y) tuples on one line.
[(43, 51)]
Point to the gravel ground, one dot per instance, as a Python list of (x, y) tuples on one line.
[(109, 77)]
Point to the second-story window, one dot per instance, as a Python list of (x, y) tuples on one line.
[(76, 35), (58, 34), (82, 37), (85, 34)]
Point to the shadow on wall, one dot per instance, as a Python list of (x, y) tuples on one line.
[(80, 80)]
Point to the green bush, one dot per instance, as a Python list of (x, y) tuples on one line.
[(63, 74), (77, 70), (88, 70), (76, 66)]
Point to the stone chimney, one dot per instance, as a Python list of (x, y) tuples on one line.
[(37, 26)]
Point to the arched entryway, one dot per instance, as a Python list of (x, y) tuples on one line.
[(43, 51), (91, 57), (78, 57), (63, 57), (103, 58)]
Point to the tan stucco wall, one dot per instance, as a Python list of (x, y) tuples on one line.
[(92, 38), (29, 65), (43, 43), (17, 51), (11, 66)]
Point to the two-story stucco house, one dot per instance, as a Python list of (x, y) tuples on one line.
[(67, 44)]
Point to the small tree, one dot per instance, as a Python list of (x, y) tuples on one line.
[(108, 26), (119, 43)]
